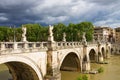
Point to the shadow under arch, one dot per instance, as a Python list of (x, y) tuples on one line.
[(71, 62), (92, 56), (21, 68)]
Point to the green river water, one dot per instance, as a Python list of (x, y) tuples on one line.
[(111, 71)]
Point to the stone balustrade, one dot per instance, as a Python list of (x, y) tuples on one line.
[(61, 45), (19, 47)]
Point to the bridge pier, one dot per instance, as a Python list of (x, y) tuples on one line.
[(53, 72), (86, 66), (86, 59), (108, 51), (100, 57)]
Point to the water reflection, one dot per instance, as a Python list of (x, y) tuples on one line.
[(4, 72), (111, 71)]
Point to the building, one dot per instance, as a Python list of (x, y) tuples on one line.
[(105, 34), (117, 33)]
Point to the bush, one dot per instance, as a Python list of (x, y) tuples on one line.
[(83, 77), (100, 70)]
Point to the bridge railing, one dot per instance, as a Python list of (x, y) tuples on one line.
[(13, 47), (61, 45), (7, 47)]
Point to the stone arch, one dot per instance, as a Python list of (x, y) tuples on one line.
[(70, 62), (92, 55), (22, 68)]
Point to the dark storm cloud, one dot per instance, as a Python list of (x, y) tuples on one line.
[(100, 12), (15, 11)]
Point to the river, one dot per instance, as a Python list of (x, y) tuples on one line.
[(111, 71), (4, 72)]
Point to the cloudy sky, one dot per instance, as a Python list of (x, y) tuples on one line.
[(100, 12)]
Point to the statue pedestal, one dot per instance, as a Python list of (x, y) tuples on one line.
[(24, 39), (15, 45), (51, 39), (51, 45)]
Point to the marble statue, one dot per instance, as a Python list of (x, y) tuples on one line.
[(24, 30), (50, 30), (50, 37), (84, 39), (64, 37)]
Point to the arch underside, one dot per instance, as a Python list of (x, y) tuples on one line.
[(71, 63), (22, 68), (92, 55), (21, 71)]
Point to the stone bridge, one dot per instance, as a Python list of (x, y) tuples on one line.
[(44, 60)]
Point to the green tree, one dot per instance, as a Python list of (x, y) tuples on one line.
[(86, 27), (1, 36), (18, 34), (44, 34), (5, 33), (36, 32), (71, 32), (58, 31), (33, 32)]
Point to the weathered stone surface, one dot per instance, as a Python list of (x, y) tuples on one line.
[(26, 61)]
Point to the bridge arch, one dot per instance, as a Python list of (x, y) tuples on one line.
[(21, 68), (71, 62), (92, 55)]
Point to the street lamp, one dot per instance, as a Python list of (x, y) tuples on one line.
[(14, 34)]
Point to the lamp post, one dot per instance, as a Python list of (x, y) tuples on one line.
[(14, 44), (14, 34), (72, 37)]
